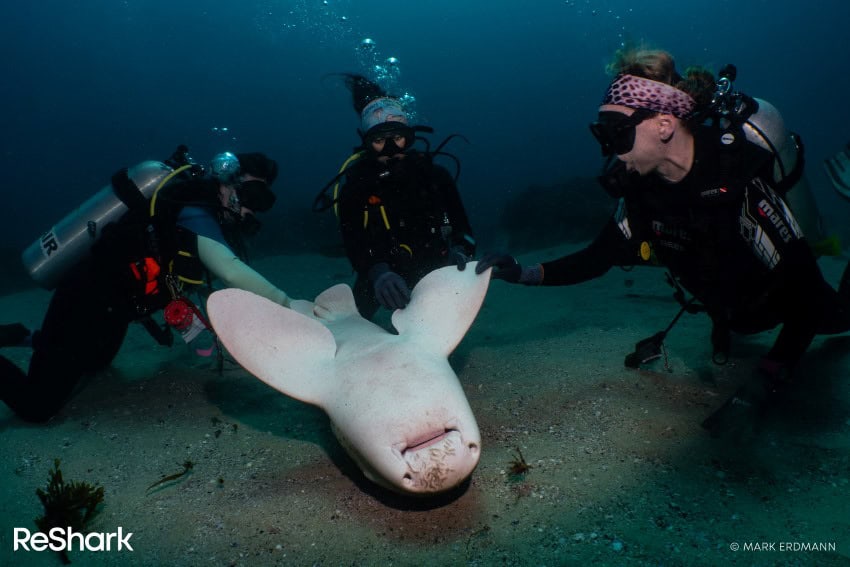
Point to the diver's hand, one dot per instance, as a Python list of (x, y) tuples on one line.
[(458, 257), (391, 290), (13, 335), (506, 267)]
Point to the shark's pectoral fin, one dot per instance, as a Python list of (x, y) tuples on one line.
[(442, 307), (281, 347), (335, 303)]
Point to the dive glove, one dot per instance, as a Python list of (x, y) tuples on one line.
[(506, 267), (391, 291), (14, 334), (458, 257)]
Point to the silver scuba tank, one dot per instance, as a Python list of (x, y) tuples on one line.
[(766, 128), (71, 239)]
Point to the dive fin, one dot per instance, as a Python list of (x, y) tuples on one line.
[(838, 170), (829, 246)]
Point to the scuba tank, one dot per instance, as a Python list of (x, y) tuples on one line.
[(766, 128), (71, 239)]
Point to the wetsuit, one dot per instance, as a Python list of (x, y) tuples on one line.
[(406, 213), (728, 239), (93, 305)]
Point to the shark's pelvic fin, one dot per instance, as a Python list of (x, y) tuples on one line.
[(442, 308), (335, 303)]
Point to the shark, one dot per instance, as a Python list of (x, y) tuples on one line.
[(394, 402)]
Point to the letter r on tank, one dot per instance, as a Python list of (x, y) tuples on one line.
[(49, 243)]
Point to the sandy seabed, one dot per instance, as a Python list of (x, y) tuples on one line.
[(621, 473)]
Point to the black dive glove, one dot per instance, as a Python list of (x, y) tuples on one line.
[(505, 267), (458, 257), (13, 334), (391, 290)]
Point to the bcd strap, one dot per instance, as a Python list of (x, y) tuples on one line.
[(127, 191), (730, 141)]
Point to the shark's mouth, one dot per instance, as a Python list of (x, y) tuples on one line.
[(438, 460), (426, 440)]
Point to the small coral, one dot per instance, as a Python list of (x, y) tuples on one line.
[(70, 504)]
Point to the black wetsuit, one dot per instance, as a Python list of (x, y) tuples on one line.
[(93, 305), (406, 213), (729, 240)]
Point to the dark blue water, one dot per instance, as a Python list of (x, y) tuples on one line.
[(88, 87)]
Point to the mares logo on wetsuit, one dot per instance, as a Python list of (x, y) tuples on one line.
[(716, 192), (776, 218), (661, 229), (678, 236)]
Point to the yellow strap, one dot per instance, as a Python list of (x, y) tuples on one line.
[(345, 164), (162, 183), (188, 281), (384, 215)]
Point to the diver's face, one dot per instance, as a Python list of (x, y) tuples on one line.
[(631, 135), (391, 143)]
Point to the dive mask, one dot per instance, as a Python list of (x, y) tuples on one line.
[(256, 195), (388, 131), (615, 131)]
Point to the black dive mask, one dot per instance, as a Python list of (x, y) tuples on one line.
[(388, 131), (615, 131), (256, 195), (390, 148)]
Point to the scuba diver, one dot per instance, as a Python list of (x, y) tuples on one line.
[(400, 214), (700, 174), (161, 247)]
